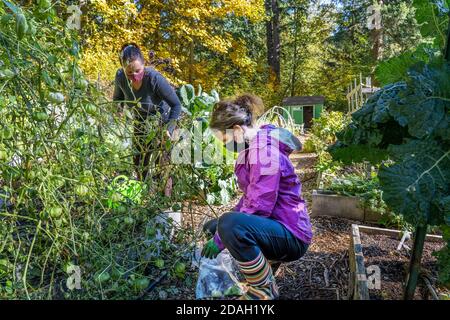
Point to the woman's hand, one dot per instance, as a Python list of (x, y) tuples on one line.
[(210, 249), (172, 131), (174, 136)]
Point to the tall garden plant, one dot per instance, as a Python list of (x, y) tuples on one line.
[(61, 147), (411, 120), (211, 175)]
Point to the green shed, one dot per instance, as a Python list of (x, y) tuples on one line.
[(305, 108)]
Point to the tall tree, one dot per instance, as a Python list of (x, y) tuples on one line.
[(298, 12), (376, 32), (189, 32), (273, 40)]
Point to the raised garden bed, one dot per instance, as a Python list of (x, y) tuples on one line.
[(376, 249), (328, 203)]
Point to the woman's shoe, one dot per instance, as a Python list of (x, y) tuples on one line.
[(261, 283), (261, 293)]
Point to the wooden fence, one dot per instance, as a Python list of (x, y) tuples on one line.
[(358, 93)]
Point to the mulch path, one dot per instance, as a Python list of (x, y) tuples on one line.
[(322, 273)]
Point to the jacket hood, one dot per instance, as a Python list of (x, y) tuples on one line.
[(287, 141)]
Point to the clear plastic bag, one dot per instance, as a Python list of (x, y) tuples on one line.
[(217, 278)]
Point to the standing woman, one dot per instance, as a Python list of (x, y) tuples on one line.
[(270, 223), (135, 82)]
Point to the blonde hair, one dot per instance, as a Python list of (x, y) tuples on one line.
[(242, 110)]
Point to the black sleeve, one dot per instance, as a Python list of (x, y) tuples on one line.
[(165, 91), (118, 92)]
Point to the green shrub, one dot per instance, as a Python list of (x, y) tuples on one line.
[(309, 146), (357, 154), (369, 191), (323, 134)]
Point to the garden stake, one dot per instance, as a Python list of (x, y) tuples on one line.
[(416, 257)]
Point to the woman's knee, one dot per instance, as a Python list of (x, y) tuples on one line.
[(228, 226), (210, 227)]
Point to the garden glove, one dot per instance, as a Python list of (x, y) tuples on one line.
[(210, 249)]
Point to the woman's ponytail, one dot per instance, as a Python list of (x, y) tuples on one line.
[(253, 104)]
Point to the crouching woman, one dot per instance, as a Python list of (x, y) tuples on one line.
[(270, 223)]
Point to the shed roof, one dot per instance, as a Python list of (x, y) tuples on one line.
[(303, 100)]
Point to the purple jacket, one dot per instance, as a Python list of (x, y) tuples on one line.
[(270, 185)]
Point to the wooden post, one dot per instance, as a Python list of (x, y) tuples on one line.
[(358, 288), (361, 95), (348, 106), (414, 266), (349, 99), (447, 46)]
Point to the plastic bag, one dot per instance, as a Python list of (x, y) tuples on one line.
[(217, 278), (161, 230)]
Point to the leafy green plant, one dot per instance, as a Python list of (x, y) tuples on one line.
[(61, 145), (395, 69), (357, 154), (369, 191), (411, 120), (124, 189), (210, 179), (323, 134), (324, 129), (430, 20), (309, 146), (433, 19), (444, 257), (197, 104)]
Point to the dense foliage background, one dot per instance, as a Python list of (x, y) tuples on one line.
[(273, 48)]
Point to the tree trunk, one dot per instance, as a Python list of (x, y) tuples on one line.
[(269, 32), (295, 54), (276, 41), (414, 265), (191, 61), (294, 69), (273, 39), (377, 49), (377, 39)]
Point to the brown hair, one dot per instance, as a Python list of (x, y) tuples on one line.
[(130, 52), (242, 111)]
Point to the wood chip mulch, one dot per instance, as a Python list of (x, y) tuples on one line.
[(382, 251), (322, 274)]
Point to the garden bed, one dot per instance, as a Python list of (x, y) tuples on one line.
[(378, 247), (328, 203)]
